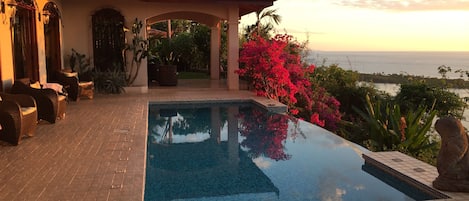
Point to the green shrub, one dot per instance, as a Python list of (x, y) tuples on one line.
[(109, 82), (201, 37), (343, 85), (183, 45), (189, 49), (413, 94), (391, 129)]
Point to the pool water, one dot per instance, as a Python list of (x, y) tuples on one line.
[(242, 152)]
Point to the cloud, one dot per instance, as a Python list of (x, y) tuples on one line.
[(262, 163), (191, 138), (407, 5)]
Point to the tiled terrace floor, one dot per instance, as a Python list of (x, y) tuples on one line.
[(98, 151)]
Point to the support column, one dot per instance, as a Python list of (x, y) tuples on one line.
[(216, 124), (233, 144), (215, 52), (233, 48)]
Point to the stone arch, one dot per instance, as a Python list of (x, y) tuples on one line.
[(211, 21)]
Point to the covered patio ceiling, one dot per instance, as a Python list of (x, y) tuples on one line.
[(245, 6)]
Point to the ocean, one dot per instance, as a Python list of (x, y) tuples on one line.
[(411, 63), (408, 63)]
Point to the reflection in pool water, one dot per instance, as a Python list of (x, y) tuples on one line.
[(241, 152)]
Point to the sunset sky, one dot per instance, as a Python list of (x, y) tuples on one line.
[(375, 25)]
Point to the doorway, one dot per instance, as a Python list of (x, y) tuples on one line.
[(25, 59), (52, 39)]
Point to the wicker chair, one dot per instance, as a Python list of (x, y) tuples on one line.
[(18, 117), (50, 104), (69, 82)]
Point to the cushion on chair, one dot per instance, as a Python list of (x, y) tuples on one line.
[(71, 74), (86, 83), (61, 98), (27, 110), (55, 86), (35, 85)]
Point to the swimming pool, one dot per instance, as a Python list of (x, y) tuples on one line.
[(242, 152)]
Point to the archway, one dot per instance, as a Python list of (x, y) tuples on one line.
[(52, 39), (25, 48), (200, 31)]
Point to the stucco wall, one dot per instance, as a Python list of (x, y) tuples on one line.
[(76, 27), (77, 21)]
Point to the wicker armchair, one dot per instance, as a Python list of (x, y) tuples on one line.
[(69, 82), (50, 104), (18, 117)]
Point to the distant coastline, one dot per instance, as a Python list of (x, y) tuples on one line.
[(402, 79), (419, 63)]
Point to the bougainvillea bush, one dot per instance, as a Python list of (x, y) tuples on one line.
[(273, 69), (264, 134)]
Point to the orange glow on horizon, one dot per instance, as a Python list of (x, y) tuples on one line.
[(332, 27)]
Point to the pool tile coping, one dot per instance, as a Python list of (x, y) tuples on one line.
[(412, 171), (270, 105)]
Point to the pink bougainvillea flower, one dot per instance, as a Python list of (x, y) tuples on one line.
[(273, 69)]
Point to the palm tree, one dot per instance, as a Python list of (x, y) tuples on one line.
[(264, 29)]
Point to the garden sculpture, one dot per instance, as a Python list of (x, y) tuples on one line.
[(453, 159)]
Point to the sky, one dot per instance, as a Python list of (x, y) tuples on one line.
[(375, 25)]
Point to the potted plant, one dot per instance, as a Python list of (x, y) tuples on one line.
[(167, 58), (80, 64)]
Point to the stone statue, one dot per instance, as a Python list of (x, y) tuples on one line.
[(453, 159)]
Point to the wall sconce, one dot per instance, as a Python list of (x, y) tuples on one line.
[(3, 9), (46, 15), (12, 4)]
